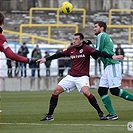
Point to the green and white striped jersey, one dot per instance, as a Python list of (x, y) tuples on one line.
[(105, 44)]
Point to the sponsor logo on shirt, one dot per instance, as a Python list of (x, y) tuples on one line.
[(77, 56)]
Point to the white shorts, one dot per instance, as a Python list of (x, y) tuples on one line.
[(70, 83), (111, 76)]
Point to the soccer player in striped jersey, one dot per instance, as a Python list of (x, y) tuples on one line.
[(111, 77), (78, 76)]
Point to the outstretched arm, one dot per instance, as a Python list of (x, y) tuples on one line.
[(10, 54), (55, 56), (4, 47), (106, 55)]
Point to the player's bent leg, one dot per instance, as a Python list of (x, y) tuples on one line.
[(58, 90), (115, 91), (107, 102), (122, 93), (53, 103), (86, 91), (93, 102)]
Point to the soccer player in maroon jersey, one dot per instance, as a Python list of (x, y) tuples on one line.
[(4, 47), (78, 76)]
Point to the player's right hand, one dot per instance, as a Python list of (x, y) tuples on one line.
[(117, 57), (41, 60)]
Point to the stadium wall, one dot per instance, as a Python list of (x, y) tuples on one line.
[(48, 83), (89, 5)]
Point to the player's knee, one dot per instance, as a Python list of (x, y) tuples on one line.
[(58, 90), (115, 91), (85, 91), (102, 91)]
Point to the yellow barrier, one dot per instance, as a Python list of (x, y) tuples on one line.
[(36, 37), (117, 10), (129, 27), (58, 13), (49, 28), (123, 26), (131, 57)]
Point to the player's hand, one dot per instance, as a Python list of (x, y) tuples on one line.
[(41, 60), (117, 57)]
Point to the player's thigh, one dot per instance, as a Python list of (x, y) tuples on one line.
[(104, 80), (115, 77), (111, 76), (67, 83), (82, 82)]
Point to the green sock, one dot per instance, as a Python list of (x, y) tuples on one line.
[(126, 95), (107, 103)]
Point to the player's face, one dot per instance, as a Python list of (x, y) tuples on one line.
[(97, 29), (77, 42), (2, 24), (2, 19)]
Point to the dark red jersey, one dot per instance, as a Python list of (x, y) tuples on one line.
[(2, 40), (8, 52), (80, 59)]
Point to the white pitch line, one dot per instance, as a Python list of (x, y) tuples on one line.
[(38, 124)]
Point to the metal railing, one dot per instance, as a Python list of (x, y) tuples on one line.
[(49, 29), (129, 27), (127, 68), (117, 10), (58, 13), (33, 37)]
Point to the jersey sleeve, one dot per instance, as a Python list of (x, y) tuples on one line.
[(92, 51), (4, 47), (67, 52), (3, 43), (55, 56), (10, 54)]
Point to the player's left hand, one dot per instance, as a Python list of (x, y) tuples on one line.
[(117, 57)]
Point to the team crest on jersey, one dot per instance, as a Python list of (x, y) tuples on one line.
[(81, 51)]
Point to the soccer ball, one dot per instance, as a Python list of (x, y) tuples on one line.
[(66, 7)]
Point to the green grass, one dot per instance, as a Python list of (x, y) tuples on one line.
[(22, 111)]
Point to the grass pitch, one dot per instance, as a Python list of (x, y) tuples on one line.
[(22, 111)]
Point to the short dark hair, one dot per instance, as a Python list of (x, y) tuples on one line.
[(24, 43), (2, 17), (80, 35), (101, 24)]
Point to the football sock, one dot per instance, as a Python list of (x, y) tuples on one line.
[(94, 103), (126, 95), (53, 103), (107, 103)]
